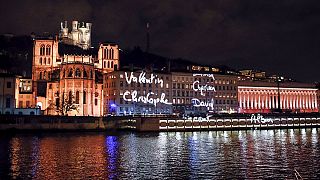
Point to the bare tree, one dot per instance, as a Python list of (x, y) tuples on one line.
[(67, 104)]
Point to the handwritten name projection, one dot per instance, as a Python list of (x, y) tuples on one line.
[(259, 119), (142, 79), (205, 75), (148, 99), (198, 118), (203, 88), (199, 103)]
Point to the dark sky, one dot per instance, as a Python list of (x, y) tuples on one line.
[(278, 36)]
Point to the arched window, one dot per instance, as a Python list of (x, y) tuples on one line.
[(40, 75), (44, 75), (40, 61), (48, 60), (77, 97), (78, 73), (111, 64), (70, 97), (42, 48), (104, 53), (91, 74), (112, 52), (70, 74), (84, 97), (104, 64), (107, 53), (45, 61), (48, 50), (85, 74), (108, 64)]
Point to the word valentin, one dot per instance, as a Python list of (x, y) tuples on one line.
[(142, 79), (259, 119), (145, 99), (201, 88), (199, 103)]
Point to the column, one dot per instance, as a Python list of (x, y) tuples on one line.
[(248, 101), (270, 101), (310, 101), (240, 99), (316, 101), (259, 101)]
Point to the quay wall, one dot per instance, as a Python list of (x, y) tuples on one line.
[(161, 123)]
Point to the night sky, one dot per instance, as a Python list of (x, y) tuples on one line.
[(278, 36)]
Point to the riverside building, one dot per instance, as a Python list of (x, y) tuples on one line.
[(67, 73), (182, 93), (267, 97)]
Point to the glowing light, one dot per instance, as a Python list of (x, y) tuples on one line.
[(199, 103), (145, 99)]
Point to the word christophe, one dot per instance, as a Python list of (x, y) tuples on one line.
[(149, 98), (153, 98)]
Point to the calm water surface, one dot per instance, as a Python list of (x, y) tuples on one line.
[(178, 155)]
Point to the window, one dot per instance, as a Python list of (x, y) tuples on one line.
[(111, 64), (91, 74), (70, 97), (70, 74), (48, 50), (8, 102), (112, 53), (85, 74), (84, 97), (57, 103), (108, 64), (40, 75), (78, 73), (28, 103), (50, 86), (104, 53), (48, 60), (20, 104), (45, 61), (40, 60), (42, 48), (95, 101), (104, 64), (8, 84), (77, 97)]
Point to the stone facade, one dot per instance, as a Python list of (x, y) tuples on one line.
[(262, 97), (65, 75)]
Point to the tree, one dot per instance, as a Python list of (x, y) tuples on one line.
[(67, 104)]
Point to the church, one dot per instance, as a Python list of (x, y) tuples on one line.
[(67, 73)]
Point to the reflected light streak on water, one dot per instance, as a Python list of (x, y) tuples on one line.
[(185, 155)]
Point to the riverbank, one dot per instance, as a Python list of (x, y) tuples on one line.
[(158, 123)]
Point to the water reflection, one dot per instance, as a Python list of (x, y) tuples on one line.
[(184, 155)]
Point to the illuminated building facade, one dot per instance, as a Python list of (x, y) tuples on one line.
[(180, 93), (195, 93), (262, 97), (138, 92), (7, 93), (66, 74), (24, 95), (318, 99), (80, 34)]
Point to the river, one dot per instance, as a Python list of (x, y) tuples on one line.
[(166, 155)]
